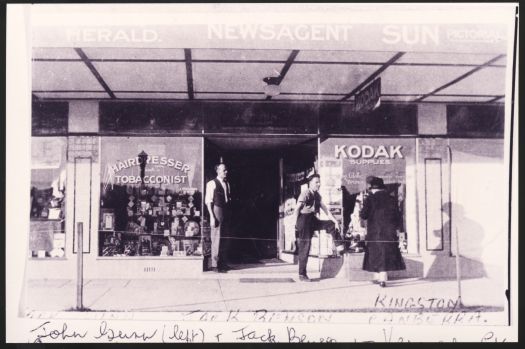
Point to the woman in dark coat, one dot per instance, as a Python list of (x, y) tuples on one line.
[(382, 248)]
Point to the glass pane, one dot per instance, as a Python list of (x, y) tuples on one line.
[(347, 162), (151, 200), (48, 193)]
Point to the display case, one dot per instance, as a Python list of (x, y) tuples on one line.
[(154, 222)]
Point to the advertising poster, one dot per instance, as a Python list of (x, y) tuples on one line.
[(362, 157)]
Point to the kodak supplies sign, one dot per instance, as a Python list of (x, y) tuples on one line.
[(383, 157), (168, 162)]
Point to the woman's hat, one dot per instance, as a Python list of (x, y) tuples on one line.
[(377, 183)]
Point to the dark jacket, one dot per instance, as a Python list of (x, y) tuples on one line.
[(382, 215), (382, 250)]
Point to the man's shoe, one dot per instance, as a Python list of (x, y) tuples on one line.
[(382, 284), (375, 281), (222, 270), (304, 278)]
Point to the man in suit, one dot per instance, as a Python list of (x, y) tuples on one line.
[(218, 202)]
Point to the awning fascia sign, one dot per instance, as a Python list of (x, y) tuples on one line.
[(424, 30), (470, 38)]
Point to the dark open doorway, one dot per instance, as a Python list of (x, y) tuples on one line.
[(255, 180), (254, 175)]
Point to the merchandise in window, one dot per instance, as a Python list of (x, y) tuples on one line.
[(151, 204), (48, 192)]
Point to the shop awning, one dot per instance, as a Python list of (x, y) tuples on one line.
[(325, 57)]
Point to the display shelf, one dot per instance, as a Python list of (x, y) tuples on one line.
[(150, 222), (156, 258), (39, 219), (129, 233)]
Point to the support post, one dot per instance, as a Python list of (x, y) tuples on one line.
[(80, 265), (458, 270)]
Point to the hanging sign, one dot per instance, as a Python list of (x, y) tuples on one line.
[(369, 98)]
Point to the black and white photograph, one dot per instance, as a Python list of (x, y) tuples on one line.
[(261, 173)]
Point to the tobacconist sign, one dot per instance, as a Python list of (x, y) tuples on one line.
[(383, 157)]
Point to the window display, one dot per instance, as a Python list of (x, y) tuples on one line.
[(151, 204), (156, 222), (355, 159), (48, 192)]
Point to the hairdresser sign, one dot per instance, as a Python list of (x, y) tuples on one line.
[(154, 162)]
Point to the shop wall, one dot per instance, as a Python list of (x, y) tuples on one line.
[(462, 190), (433, 195), (480, 205)]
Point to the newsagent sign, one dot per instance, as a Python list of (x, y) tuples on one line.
[(158, 162), (358, 158)]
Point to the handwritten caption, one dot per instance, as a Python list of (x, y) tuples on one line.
[(173, 333), (264, 327)]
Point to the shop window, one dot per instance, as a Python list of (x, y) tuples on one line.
[(151, 201), (475, 121), (347, 162), (48, 192), (49, 118)]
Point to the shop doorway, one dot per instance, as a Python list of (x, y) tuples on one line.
[(256, 181)]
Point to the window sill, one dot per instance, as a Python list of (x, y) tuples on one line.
[(153, 258)]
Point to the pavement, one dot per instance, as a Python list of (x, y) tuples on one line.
[(247, 290)]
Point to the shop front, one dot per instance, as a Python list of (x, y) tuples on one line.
[(125, 136), (138, 191)]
